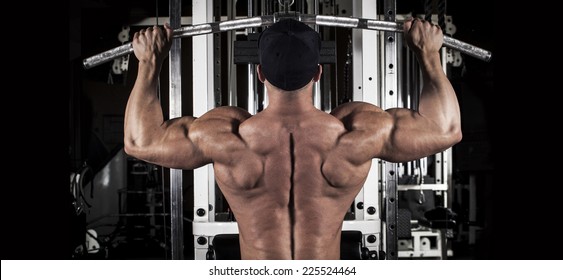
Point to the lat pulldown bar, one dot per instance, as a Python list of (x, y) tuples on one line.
[(253, 22)]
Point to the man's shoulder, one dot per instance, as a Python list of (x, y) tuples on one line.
[(229, 112), (354, 107)]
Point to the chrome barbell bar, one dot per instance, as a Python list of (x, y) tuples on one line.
[(254, 22)]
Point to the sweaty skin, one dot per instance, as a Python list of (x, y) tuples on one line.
[(290, 172)]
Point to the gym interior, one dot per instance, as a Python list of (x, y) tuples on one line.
[(439, 207)]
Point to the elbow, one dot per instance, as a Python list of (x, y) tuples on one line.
[(139, 146), (132, 148), (455, 135), (129, 147), (459, 136)]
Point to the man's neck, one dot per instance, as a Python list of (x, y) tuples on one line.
[(290, 103)]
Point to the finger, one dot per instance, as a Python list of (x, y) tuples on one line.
[(414, 22), (150, 32), (409, 23), (156, 30), (168, 30), (438, 29), (147, 32), (141, 33)]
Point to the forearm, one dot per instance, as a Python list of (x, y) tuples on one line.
[(438, 101), (143, 115)]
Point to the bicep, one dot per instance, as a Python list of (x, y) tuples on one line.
[(189, 143), (395, 135), (411, 136)]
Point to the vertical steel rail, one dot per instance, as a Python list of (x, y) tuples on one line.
[(324, 99), (367, 74), (357, 95), (175, 111), (218, 60), (446, 161), (263, 12), (252, 98), (317, 94), (203, 100), (357, 55), (231, 15), (389, 100)]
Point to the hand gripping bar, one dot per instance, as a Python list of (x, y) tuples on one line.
[(253, 22)]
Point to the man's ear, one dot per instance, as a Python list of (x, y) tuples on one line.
[(260, 74), (317, 76)]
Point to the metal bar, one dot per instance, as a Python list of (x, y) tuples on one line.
[(390, 98), (269, 8), (265, 11), (232, 75), (218, 60), (250, 8), (253, 22), (252, 99), (315, 7), (265, 99), (367, 77), (252, 93), (203, 81), (137, 215), (449, 179), (467, 48), (175, 111), (433, 187), (317, 94), (357, 50), (348, 22)]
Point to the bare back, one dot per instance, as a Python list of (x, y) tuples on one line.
[(291, 172), (290, 191)]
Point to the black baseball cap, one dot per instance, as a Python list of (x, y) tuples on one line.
[(289, 53)]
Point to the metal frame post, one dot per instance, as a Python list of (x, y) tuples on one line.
[(317, 94), (232, 75), (218, 61), (325, 82), (203, 100), (357, 55), (389, 98), (252, 92), (175, 110), (365, 88), (265, 99)]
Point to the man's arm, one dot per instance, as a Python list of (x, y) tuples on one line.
[(178, 143), (147, 136), (401, 134), (436, 125)]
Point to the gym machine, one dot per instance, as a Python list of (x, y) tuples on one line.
[(384, 76)]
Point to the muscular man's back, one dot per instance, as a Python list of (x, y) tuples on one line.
[(291, 203), (291, 172)]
